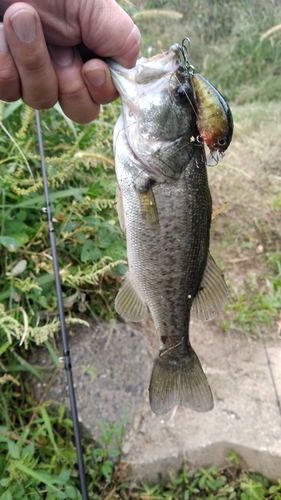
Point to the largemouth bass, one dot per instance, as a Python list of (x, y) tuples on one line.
[(165, 207)]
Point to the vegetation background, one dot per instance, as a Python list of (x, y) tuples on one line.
[(232, 45)]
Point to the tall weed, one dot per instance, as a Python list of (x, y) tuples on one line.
[(226, 45), (82, 193)]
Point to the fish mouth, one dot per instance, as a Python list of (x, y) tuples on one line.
[(158, 56), (147, 69)]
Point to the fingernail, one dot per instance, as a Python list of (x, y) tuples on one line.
[(24, 25), (62, 56), (4, 47), (96, 77)]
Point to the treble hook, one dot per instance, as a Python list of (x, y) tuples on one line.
[(184, 51)]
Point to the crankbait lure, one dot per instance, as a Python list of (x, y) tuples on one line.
[(213, 116)]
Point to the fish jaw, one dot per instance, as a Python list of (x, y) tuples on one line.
[(147, 70), (158, 130)]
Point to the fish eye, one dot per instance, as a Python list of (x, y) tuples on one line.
[(183, 95), (180, 93)]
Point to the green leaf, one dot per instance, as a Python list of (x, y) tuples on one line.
[(36, 475), (107, 468), (113, 452), (9, 109), (71, 492), (25, 366), (5, 482), (105, 238), (52, 352), (94, 190), (59, 495), (90, 252), (10, 243), (6, 496), (14, 449), (28, 451), (48, 426), (17, 229), (61, 412), (63, 477), (274, 488), (4, 347), (33, 202), (116, 251)]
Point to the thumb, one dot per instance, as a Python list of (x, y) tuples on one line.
[(109, 31)]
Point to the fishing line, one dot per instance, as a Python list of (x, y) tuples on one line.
[(66, 353), (270, 370)]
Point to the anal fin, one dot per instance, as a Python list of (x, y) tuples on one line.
[(212, 294), (128, 303)]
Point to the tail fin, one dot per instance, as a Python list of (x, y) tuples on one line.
[(181, 382)]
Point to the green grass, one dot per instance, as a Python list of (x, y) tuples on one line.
[(37, 454)]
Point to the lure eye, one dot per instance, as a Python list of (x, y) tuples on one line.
[(221, 141)]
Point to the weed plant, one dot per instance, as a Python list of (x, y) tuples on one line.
[(82, 193)]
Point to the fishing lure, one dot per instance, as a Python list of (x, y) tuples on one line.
[(213, 116)]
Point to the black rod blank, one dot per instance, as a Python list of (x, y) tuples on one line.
[(66, 353)]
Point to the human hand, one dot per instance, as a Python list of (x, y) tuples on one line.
[(43, 75)]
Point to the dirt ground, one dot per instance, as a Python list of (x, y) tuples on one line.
[(247, 233)]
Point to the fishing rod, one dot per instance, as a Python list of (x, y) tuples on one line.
[(66, 353)]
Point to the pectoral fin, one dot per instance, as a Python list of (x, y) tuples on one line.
[(148, 207), (120, 209), (212, 294), (128, 303)]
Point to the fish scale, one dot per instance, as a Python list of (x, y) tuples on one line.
[(172, 261)]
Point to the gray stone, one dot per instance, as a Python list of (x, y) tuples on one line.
[(245, 419)]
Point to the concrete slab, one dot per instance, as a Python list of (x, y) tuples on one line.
[(245, 419), (110, 373)]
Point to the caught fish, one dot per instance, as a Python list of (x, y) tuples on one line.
[(214, 118), (165, 208)]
